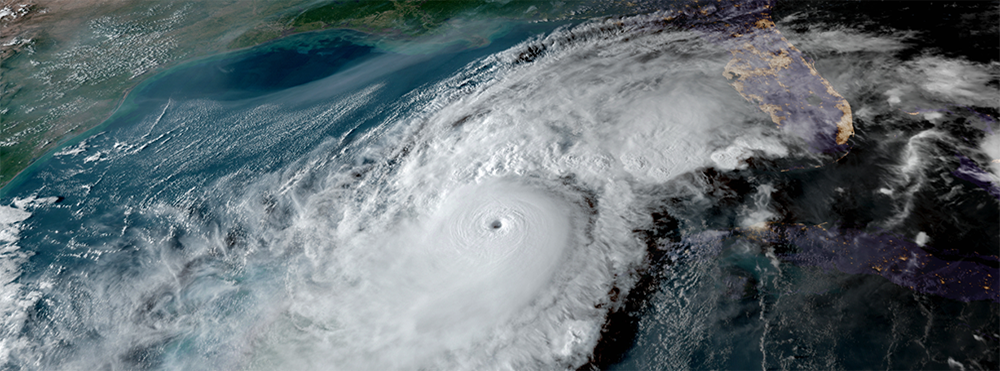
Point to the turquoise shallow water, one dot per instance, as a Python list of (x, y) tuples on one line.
[(296, 206), (235, 117)]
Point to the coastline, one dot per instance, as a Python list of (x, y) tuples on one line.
[(121, 106), (44, 111), (67, 66)]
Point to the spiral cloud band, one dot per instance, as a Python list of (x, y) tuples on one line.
[(492, 236), (613, 194), (482, 256), (488, 222)]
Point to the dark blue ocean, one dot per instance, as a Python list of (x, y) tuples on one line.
[(182, 233), (232, 117)]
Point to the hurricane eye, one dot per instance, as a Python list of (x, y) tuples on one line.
[(496, 224)]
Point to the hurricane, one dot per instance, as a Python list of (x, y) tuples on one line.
[(499, 226), (679, 187)]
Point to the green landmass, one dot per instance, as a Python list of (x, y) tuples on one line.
[(64, 71), (409, 19), (64, 78)]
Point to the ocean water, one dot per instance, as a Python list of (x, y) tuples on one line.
[(569, 196), (222, 124)]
